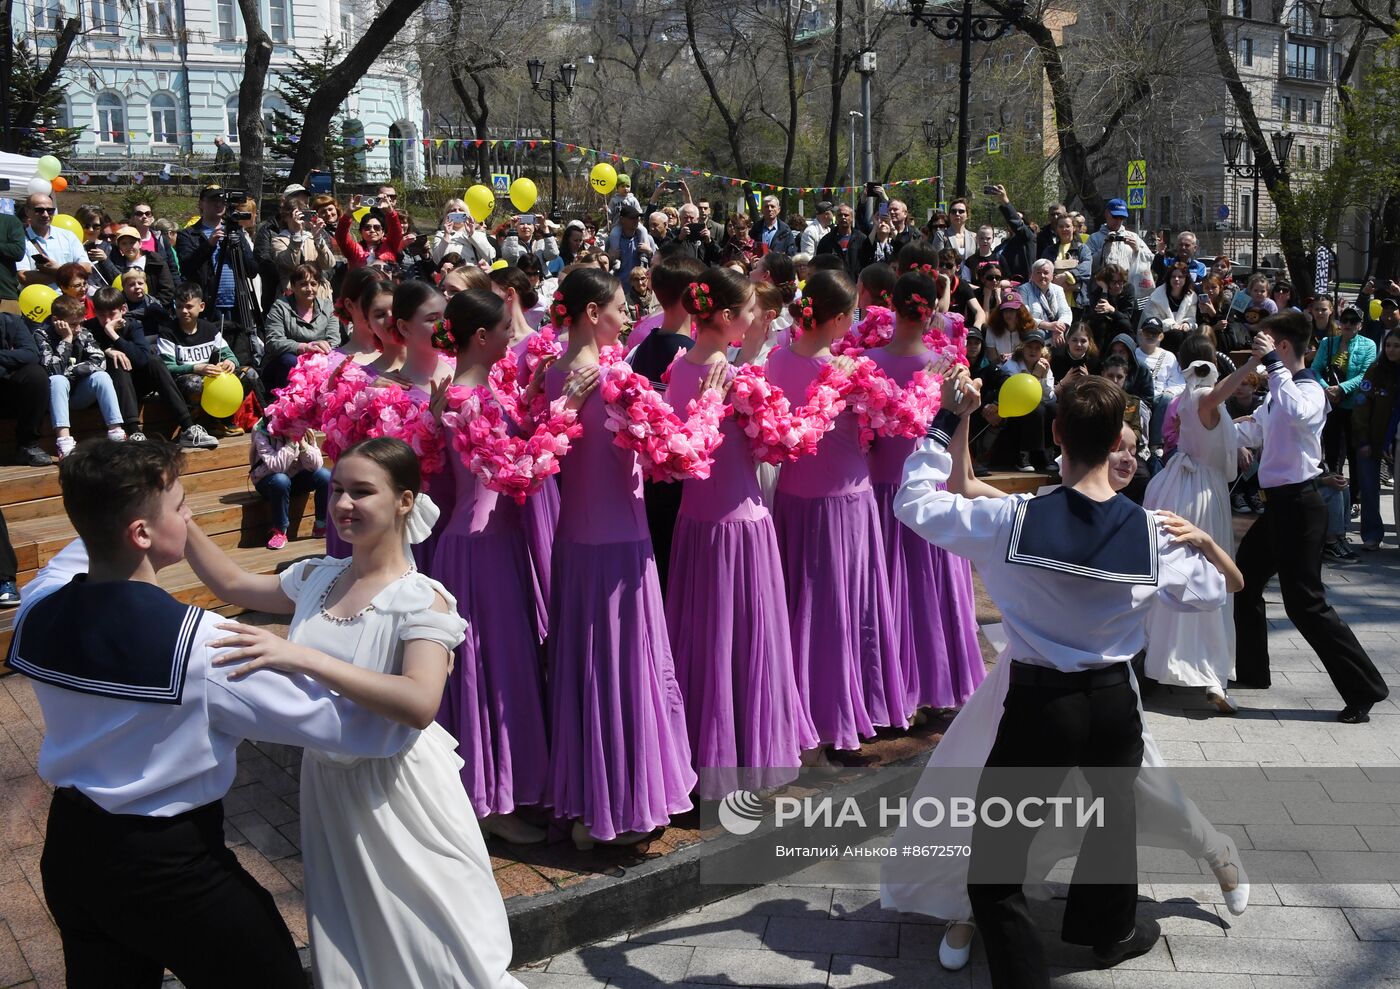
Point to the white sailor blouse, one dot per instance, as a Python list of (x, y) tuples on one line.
[(1288, 426), (1074, 578)]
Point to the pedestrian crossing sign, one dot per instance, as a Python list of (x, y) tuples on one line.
[(1137, 197), (500, 183), (993, 144), (1137, 172)]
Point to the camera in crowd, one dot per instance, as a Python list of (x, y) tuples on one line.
[(233, 198)]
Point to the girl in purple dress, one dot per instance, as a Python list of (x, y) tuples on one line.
[(843, 634), (931, 590), (494, 701), (725, 605), (418, 309), (619, 760), (542, 507)]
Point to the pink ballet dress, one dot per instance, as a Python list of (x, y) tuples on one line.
[(619, 757), (541, 516), (335, 546), (494, 700), (442, 489), (728, 617), (935, 613), (843, 635)]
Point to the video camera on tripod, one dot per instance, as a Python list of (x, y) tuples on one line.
[(233, 198)]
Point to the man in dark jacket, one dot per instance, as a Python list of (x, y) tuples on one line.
[(773, 233), (11, 253), (1018, 251), (24, 388), (218, 256), (845, 241)]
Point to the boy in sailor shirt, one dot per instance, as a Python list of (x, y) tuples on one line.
[(140, 741)]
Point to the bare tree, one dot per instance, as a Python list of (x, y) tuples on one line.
[(23, 109), (257, 57)]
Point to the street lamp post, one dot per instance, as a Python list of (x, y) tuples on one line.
[(568, 72), (965, 27), (939, 136), (1232, 141), (854, 116)]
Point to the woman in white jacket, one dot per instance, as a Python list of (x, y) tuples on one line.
[(459, 235), (1174, 301)]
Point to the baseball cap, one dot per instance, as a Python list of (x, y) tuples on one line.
[(1116, 207), (630, 212), (293, 189), (1152, 324), (1012, 301), (825, 207), (1349, 315), (978, 332), (1390, 304), (624, 180), (127, 232), (1033, 336), (211, 192)]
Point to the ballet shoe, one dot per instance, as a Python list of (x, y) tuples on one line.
[(1355, 715), (815, 758), (1146, 934), (953, 957), (512, 830), (1234, 887), (1222, 701), (584, 840)]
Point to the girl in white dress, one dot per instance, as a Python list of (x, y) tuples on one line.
[(1198, 649), (399, 889), (1167, 818)]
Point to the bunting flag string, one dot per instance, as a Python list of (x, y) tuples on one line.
[(614, 157)]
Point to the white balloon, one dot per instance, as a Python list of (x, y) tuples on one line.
[(39, 186)]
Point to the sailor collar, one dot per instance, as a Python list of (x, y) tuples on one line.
[(1114, 540)]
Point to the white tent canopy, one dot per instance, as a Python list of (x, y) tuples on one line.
[(19, 169)]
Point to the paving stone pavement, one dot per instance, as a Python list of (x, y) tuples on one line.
[(1293, 936)]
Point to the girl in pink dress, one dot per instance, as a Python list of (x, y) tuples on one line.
[(494, 700), (418, 309), (725, 606), (619, 760), (931, 590), (843, 634), (528, 347)]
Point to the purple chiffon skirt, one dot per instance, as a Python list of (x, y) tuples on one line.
[(619, 758), (934, 612), (541, 515), (843, 639), (728, 619), (494, 700)]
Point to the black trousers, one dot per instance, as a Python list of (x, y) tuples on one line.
[(1337, 448), (663, 504), (9, 565), (133, 896), (24, 397), (154, 377), (1287, 540), (1058, 721)]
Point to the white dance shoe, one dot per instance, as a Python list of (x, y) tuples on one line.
[(955, 958), (1233, 881), (1222, 701), (512, 830)]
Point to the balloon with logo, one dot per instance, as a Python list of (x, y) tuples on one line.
[(603, 178), (1020, 394), (36, 302), (48, 167), (70, 223), (222, 395), (480, 202), (523, 194)]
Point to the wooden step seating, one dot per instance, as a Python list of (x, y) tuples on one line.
[(220, 497)]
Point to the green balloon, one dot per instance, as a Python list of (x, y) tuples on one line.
[(49, 167)]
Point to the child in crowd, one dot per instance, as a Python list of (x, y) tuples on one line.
[(1024, 437), (1253, 304), (1374, 434), (139, 303), (1161, 365), (1119, 369), (280, 469), (77, 377), (194, 349)]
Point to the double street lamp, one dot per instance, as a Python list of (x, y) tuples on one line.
[(965, 27), (568, 72), (1233, 141), (938, 136)]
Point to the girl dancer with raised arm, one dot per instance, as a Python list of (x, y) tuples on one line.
[(399, 888)]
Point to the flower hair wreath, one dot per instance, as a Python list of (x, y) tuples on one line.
[(807, 316), (558, 311), (924, 307), (701, 299), (443, 337)]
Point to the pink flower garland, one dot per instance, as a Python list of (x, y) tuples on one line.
[(510, 465), (640, 421), (775, 432), (297, 405), (875, 330), (400, 415)]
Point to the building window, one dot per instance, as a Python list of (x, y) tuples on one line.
[(1032, 120), (1242, 8), (1285, 107), (1303, 155), (231, 119), (1246, 211), (111, 119), (347, 27), (1198, 210), (1302, 19), (164, 126), (1302, 109), (160, 18), (1317, 156), (950, 72), (47, 14), (986, 65), (1304, 61), (1317, 111), (106, 19), (227, 13), (1006, 60), (277, 20), (65, 116), (1246, 51)]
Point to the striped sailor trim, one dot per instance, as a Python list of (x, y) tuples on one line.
[(169, 692), (942, 427), (1121, 550)]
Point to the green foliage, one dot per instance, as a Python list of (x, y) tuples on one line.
[(296, 87), (40, 112)]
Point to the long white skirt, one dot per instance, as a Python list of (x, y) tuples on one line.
[(1166, 817), (399, 889)]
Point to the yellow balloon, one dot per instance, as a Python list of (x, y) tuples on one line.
[(36, 301), (117, 283), (523, 194), (1375, 308), (603, 178), (222, 395), (65, 222), (499, 263), (360, 213), (1020, 394), (481, 201)]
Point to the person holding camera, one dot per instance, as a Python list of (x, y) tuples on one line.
[(300, 238), (215, 252), (629, 245), (1114, 243), (381, 233), (694, 239), (460, 235), (532, 235)]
